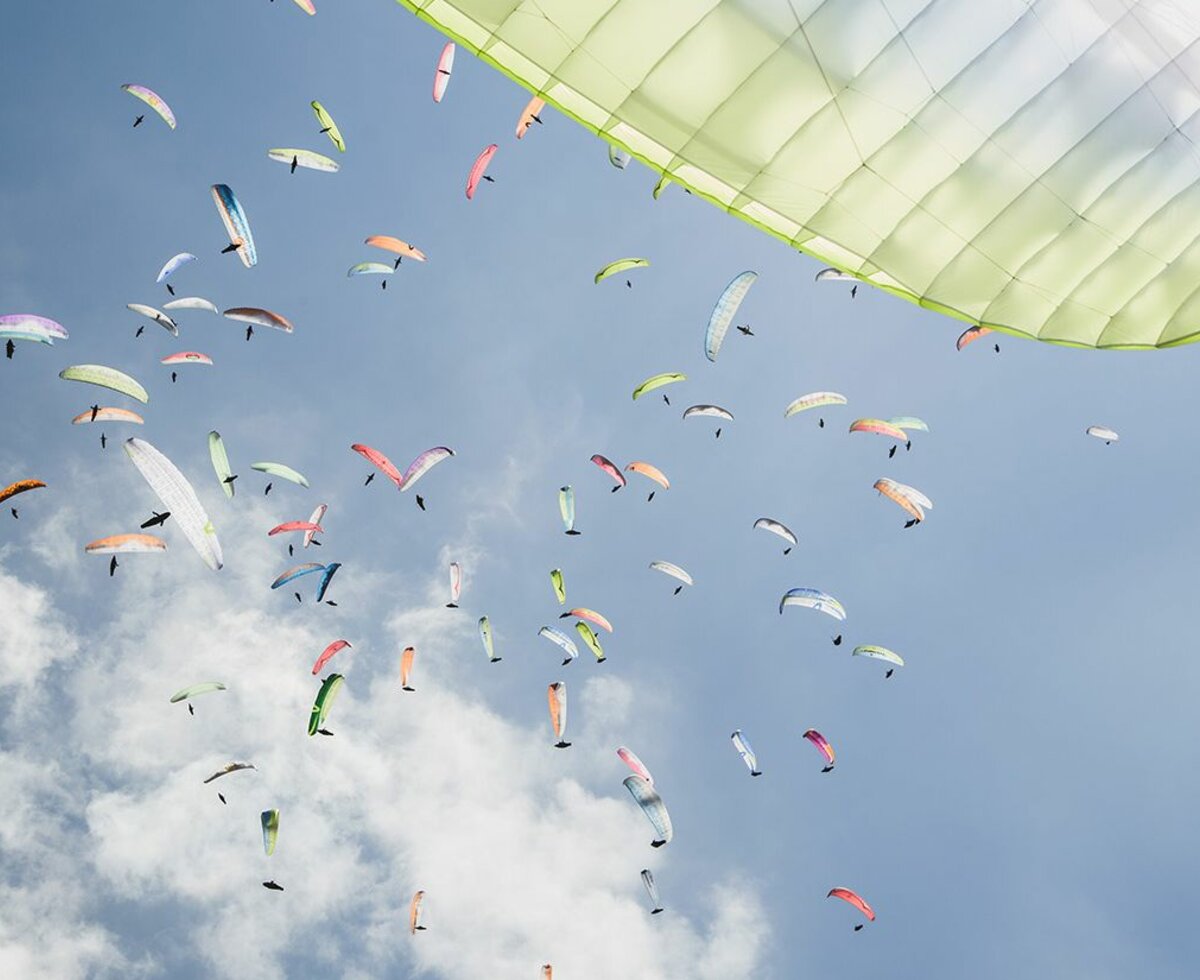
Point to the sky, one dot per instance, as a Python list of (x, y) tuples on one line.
[(1017, 800)]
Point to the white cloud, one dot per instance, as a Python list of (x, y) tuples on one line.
[(527, 854)]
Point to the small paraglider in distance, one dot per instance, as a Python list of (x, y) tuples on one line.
[(746, 752), (566, 507), (557, 696), (406, 665), (646, 796), (479, 168), (652, 891), (485, 637), (272, 885), (414, 914), (441, 77), (455, 585), (1103, 432), (853, 899), (724, 311), (823, 747)]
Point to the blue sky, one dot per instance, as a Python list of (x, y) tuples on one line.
[(1017, 800)]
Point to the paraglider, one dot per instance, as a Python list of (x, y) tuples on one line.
[(441, 77), (562, 640), (325, 698), (172, 264), (328, 126), (153, 100), (816, 399), (156, 519), (909, 498), (909, 423), (668, 568), (708, 411), (259, 318), (328, 653), (653, 807), (823, 747), (30, 327), (195, 690), (173, 489), (724, 311), (529, 115), (230, 767), (560, 588), (776, 528), (485, 637), (813, 599), (580, 612), (315, 519), (272, 885), (414, 911), (327, 574), (657, 381), (305, 159), (618, 157), (220, 462), (591, 640), (834, 275), (187, 357), (1101, 432), (652, 891), (401, 248), (557, 695), (609, 467), (635, 764), (236, 224), (270, 830), (105, 377), (566, 507), (455, 585), (746, 752), (21, 486), (294, 573), (289, 526), (852, 898), (651, 472), (620, 265), (376, 458), (879, 428), (126, 544), (970, 335), (192, 303), (108, 414), (406, 666), (879, 653), (478, 169), (281, 471), (423, 464)]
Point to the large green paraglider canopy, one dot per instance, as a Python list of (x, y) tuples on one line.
[(1032, 174)]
